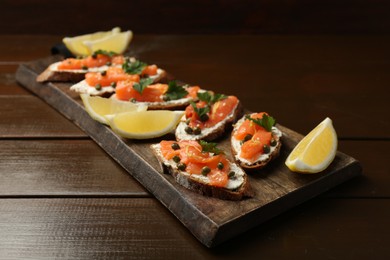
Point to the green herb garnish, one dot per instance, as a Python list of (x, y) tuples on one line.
[(175, 92), (267, 122), (210, 147), (209, 97), (143, 83), (134, 67), (201, 111), (107, 53)]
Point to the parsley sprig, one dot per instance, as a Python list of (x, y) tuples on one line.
[(209, 97), (133, 68), (175, 92), (103, 52), (210, 147), (267, 122), (143, 83), (201, 111)]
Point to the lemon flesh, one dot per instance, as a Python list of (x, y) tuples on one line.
[(145, 124), (117, 42), (114, 40), (76, 44), (316, 151), (98, 107)]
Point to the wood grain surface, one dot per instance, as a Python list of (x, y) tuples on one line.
[(77, 228), (73, 220), (212, 221), (37, 175)]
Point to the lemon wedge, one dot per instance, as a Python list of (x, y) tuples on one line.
[(315, 152), (98, 107), (145, 124), (76, 44), (116, 42)]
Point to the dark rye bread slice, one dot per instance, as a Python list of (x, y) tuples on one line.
[(60, 76), (177, 104), (202, 187), (258, 164), (52, 74), (82, 86), (261, 163), (211, 133)]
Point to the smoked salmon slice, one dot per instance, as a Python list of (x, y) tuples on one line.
[(92, 61), (110, 76)]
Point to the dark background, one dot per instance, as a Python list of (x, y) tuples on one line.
[(73, 17)]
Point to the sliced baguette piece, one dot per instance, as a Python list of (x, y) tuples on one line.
[(211, 133), (237, 188), (263, 159)]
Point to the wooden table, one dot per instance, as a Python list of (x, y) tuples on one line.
[(62, 196)]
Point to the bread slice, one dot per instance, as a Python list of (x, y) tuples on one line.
[(263, 159), (237, 188), (178, 104), (53, 74), (82, 87), (211, 133)]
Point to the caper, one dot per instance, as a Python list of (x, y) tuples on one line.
[(266, 148), (103, 73), (113, 84), (108, 63), (204, 117), (176, 159), (220, 165), (197, 131), (231, 174), (133, 100), (84, 67), (98, 87), (188, 121), (181, 166), (247, 137), (205, 170), (94, 56), (175, 146), (274, 142), (188, 130)]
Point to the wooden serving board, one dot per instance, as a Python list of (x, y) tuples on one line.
[(212, 221)]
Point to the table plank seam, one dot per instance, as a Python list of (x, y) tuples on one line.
[(80, 196), (44, 138)]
